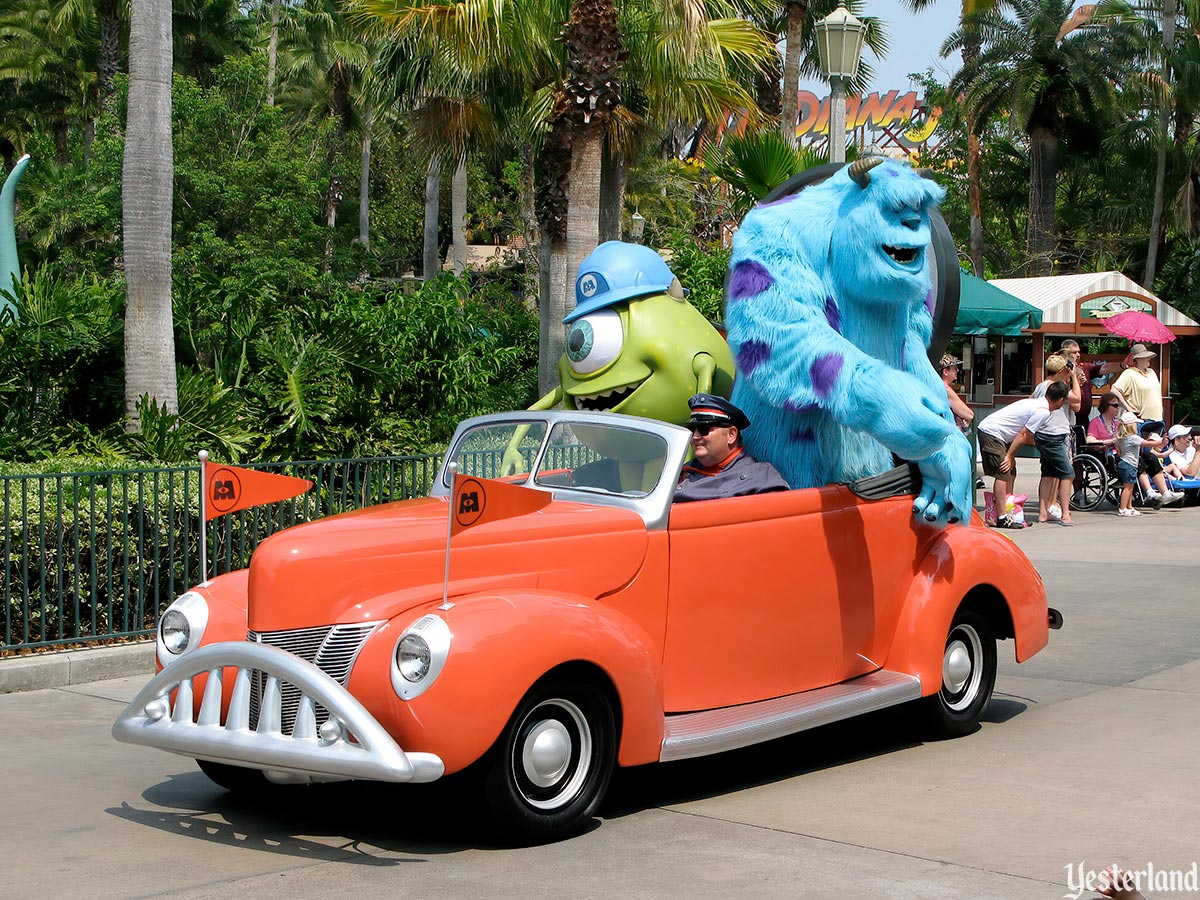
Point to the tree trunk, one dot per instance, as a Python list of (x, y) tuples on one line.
[(583, 207), (974, 179), (458, 216), (1043, 178), (147, 180), (788, 119), (110, 47), (364, 181), (1170, 9), (531, 252), (613, 176), (552, 334), (273, 52), (429, 247)]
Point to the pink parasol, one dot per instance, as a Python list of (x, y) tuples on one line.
[(1139, 326)]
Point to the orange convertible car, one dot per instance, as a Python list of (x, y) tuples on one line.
[(607, 627)]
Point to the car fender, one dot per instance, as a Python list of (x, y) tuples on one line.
[(961, 562), (502, 644)]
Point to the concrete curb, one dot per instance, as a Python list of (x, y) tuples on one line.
[(63, 668)]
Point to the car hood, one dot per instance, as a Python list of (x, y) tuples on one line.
[(372, 564)]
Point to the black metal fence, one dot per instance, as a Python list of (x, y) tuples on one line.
[(90, 556)]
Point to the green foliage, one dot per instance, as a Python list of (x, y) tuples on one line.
[(755, 163), (701, 270)]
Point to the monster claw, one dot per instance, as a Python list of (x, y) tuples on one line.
[(930, 517)]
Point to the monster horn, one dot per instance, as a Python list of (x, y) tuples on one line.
[(860, 169), (926, 172)]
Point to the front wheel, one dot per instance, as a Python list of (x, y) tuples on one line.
[(1090, 484), (548, 772), (968, 677)]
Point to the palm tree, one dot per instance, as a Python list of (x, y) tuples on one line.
[(800, 56), (147, 179), (1055, 86), (970, 53)]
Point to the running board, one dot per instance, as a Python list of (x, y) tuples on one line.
[(717, 730)]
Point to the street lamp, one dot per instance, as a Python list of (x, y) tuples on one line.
[(637, 226), (839, 44)]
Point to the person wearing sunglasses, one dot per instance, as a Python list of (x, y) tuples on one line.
[(722, 467)]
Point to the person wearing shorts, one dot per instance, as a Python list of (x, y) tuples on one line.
[(1006, 429)]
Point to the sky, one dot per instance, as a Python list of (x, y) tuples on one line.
[(915, 41)]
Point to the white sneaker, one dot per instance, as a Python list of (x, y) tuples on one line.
[(1173, 497), (1054, 511), (1153, 495)]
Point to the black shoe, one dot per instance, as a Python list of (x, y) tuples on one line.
[(979, 483)]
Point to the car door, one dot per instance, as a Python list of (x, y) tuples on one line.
[(753, 609)]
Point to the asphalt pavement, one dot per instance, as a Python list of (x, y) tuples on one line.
[(1088, 755)]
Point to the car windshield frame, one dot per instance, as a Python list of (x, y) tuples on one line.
[(653, 506)]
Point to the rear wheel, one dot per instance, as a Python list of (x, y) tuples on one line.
[(968, 676), (548, 772), (1090, 483)]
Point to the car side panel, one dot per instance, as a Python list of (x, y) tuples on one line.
[(502, 645), (957, 562), (753, 599), (884, 545)]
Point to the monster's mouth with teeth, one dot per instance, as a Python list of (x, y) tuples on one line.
[(902, 255), (606, 400)]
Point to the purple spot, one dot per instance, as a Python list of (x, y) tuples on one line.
[(929, 301), (824, 373), (749, 278), (804, 436), (833, 315), (787, 198), (806, 408), (751, 355)]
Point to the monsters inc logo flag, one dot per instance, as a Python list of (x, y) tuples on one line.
[(475, 501), (229, 488)]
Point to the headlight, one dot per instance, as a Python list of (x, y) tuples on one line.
[(181, 627), (174, 631), (420, 655), (412, 657)]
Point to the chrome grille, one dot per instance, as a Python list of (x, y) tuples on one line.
[(331, 648)]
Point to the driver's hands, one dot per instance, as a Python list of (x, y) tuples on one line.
[(947, 480)]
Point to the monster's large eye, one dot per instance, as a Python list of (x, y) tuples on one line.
[(594, 341)]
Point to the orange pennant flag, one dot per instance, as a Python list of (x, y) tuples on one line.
[(478, 500), (228, 489)]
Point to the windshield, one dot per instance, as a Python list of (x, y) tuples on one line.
[(584, 456), (611, 460)]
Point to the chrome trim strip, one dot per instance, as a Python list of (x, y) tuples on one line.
[(717, 730), (371, 754)]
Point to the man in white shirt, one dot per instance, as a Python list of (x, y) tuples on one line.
[(1002, 432)]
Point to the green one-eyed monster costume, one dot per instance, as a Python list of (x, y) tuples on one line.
[(635, 345)]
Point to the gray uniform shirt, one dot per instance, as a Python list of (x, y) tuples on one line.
[(745, 475)]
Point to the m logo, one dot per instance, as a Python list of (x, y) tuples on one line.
[(224, 490), (470, 500), (588, 285)]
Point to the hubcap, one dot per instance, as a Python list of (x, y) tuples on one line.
[(552, 758), (962, 668), (547, 753), (956, 667)]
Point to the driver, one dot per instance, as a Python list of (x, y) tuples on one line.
[(722, 467)]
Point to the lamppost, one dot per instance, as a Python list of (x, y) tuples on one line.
[(839, 45), (637, 226)]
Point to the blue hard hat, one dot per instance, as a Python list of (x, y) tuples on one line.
[(617, 271)]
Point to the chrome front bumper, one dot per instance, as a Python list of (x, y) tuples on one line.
[(351, 744)]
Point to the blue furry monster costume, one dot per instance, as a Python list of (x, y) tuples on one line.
[(830, 314)]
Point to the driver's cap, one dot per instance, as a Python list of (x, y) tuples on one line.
[(617, 271)]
